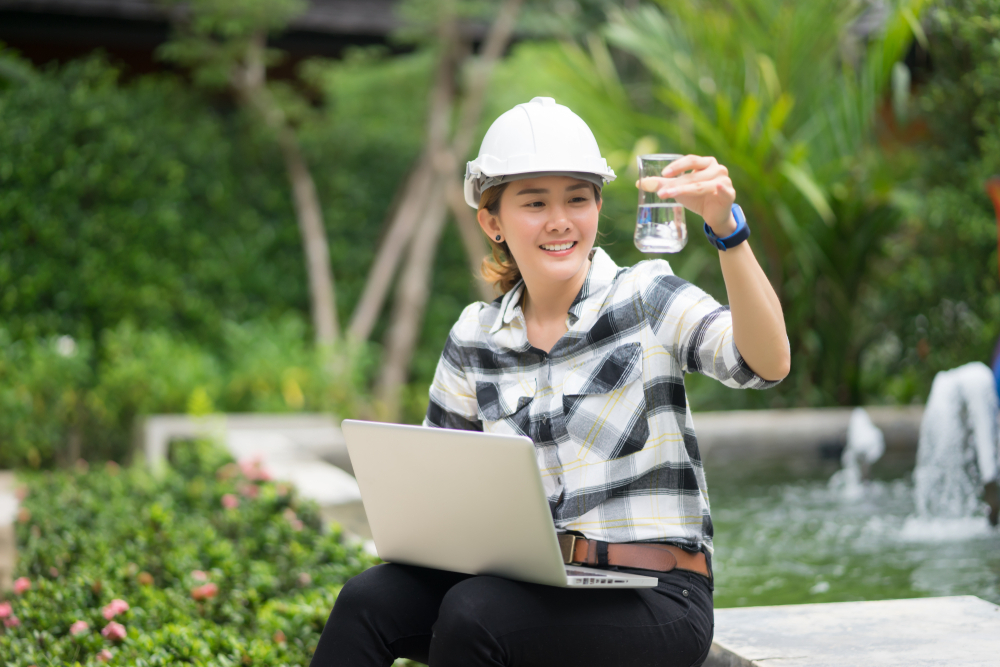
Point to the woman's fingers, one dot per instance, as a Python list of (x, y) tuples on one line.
[(659, 184), (714, 170), (718, 185), (651, 183), (680, 165)]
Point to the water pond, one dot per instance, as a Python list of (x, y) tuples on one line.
[(792, 541)]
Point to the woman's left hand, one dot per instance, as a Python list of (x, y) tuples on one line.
[(705, 190)]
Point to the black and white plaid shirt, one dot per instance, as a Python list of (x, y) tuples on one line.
[(606, 407)]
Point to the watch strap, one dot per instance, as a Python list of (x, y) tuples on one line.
[(741, 234)]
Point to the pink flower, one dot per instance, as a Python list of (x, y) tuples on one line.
[(21, 492), (289, 514), (250, 490), (21, 585), (230, 502), (5, 609), (79, 628), (253, 469), (198, 575), (105, 655), (205, 591), (12, 622), (114, 631), (53, 572), (114, 608), (305, 579), (297, 525)]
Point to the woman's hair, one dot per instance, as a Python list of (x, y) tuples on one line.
[(500, 267)]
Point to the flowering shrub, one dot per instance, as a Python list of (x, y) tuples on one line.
[(117, 567)]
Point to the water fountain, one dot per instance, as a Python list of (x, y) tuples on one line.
[(865, 446), (957, 456)]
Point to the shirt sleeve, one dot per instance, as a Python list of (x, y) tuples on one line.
[(452, 397), (698, 331)]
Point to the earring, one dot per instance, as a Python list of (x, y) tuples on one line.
[(498, 237)]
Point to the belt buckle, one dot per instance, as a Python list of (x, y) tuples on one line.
[(567, 545)]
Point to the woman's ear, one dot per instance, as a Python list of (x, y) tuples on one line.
[(490, 223)]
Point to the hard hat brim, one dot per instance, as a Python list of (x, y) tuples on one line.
[(476, 186)]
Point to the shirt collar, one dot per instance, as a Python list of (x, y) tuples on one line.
[(600, 276)]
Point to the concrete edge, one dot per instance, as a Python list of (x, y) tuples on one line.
[(720, 656), (8, 541)]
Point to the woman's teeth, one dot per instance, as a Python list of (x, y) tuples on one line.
[(559, 246)]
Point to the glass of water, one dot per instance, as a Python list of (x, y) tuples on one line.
[(659, 226)]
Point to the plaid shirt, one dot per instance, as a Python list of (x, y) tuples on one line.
[(606, 407)]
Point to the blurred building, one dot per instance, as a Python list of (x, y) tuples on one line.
[(129, 31)]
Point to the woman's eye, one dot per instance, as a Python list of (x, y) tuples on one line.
[(577, 200), (536, 204)]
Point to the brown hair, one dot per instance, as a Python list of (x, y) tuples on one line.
[(500, 267)]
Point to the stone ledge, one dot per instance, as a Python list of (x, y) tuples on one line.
[(8, 545), (960, 631), (805, 436)]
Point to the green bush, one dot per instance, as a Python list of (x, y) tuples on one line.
[(60, 400), (937, 302), (87, 538), (137, 202), (150, 203), (42, 393)]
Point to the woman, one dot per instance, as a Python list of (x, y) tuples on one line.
[(587, 359)]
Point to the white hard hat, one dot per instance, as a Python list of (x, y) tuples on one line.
[(537, 138)]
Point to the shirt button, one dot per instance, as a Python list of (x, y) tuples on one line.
[(559, 480)]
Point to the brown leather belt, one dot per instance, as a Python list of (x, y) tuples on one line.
[(660, 557)]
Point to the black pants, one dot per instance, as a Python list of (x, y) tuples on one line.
[(444, 619)]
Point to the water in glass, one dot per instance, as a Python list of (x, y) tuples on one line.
[(660, 228), (660, 225)]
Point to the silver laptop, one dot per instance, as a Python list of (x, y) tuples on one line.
[(463, 501)]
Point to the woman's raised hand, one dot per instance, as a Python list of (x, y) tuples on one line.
[(705, 190)]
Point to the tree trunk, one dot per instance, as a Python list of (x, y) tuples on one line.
[(410, 304), (249, 82), (472, 238), (414, 283), (404, 218), (322, 298)]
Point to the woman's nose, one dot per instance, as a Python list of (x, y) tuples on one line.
[(559, 220)]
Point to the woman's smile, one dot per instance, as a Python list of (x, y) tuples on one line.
[(558, 249)]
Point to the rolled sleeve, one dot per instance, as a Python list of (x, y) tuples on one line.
[(699, 332)]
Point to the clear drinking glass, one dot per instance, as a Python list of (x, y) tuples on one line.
[(659, 225)]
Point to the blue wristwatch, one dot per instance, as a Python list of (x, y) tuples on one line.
[(741, 234)]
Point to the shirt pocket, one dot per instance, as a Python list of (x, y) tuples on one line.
[(505, 404), (605, 405)]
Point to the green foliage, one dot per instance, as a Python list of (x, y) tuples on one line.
[(121, 534), (937, 304), (151, 204), (42, 383), (137, 202), (216, 33), (55, 391)]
